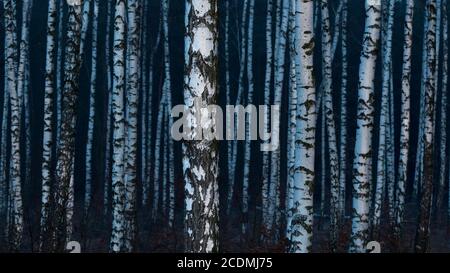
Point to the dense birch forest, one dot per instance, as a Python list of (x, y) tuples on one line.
[(352, 149)]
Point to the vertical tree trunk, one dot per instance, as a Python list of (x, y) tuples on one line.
[(343, 116), (66, 145), (47, 145), (200, 161), (405, 116), (247, 156), (85, 24), (301, 222), (279, 67), (383, 180), (168, 93), (109, 79), (422, 235), (362, 174), (292, 114), (23, 78), (330, 123), (132, 81), (15, 214), (118, 160), (443, 121), (267, 88), (240, 91), (59, 69)]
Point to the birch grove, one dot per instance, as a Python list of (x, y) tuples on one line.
[(205, 126)]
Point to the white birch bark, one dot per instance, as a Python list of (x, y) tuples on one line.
[(118, 160), (301, 222), (200, 161), (330, 122), (362, 174), (23, 77), (132, 85), (47, 145), (267, 88), (292, 114), (383, 180), (85, 24), (15, 213), (247, 156), (343, 115), (405, 116), (109, 79)]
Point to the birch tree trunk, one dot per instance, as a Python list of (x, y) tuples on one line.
[(109, 79), (132, 82), (330, 123), (15, 213), (118, 160), (362, 174), (443, 106), (292, 114), (247, 156), (405, 117), (23, 89), (66, 145), (301, 222), (59, 69), (47, 145), (85, 24), (168, 93), (267, 88), (422, 235), (343, 116), (383, 180), (200, 161), (240, 91)]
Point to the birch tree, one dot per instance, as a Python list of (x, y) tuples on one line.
[(365, 117), (47, 145), (405, 116), (23, 84), (109, 79), (247, 156), (267, 88), (66, 145), (343, 114), (118, 110), (132, 85), (279, 67), (15, 207), (443, 106), (200, 160), (422, 235), (383, 180), (300, 220), (168, 93), (330, 123)]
